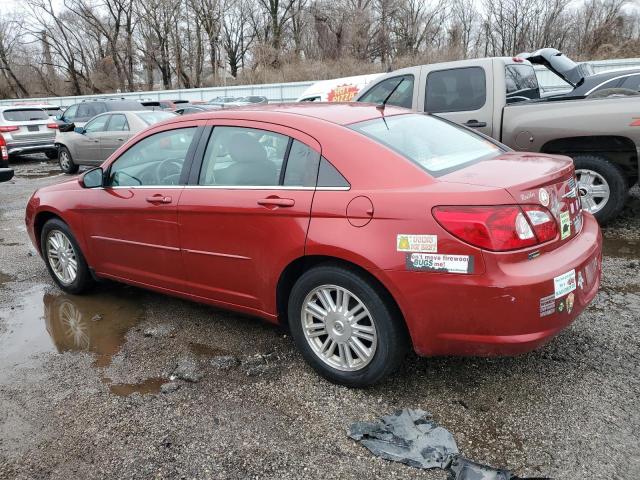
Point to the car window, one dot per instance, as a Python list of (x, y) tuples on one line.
[(237, 156), (521, 83), (90, 109), (302, 166), (25, 115), (154, 116), (401, 97), (329, 176), (154, 160), (441, 148), (632, 83), (70, 113), (456, 90), (97, 124), (118, 123)]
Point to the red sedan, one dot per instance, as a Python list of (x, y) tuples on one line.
[(365, 229)]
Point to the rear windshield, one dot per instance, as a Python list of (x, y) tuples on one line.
[(154, 116), (25, 115), (435, 145)]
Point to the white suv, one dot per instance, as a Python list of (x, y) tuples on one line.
[(27, 129)]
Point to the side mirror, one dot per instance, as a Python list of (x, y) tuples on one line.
[(59, 116), (79, 130), (6, 174), (66, 127), (93, 178)]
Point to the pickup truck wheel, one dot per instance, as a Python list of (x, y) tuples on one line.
[(66, 162), (601, 185)]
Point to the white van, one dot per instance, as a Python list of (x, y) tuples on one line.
[(337, 90)]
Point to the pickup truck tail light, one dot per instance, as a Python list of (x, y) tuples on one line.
[(3, 148), (498, 228), (11, 128)]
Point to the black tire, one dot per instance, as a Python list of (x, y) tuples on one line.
[(83, 280), (392, 338), (615, 179), (65, 160), (52, 154)]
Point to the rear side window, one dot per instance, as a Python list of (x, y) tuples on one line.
[(439, 148), (155, 116), (25, 115), (302, 166), (632, 83), (330, 177), (118, 123), (401, 97), (90, 109), (456, 90), (521, 83)]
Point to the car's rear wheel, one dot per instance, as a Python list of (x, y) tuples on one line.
[(66, 161), (63, 257), (602, 186), (344, 326)]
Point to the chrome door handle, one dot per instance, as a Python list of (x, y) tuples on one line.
[(158, 199), (277, 202)]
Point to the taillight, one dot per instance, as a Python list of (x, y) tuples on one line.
[(3, 148), (498, 228), (12, 128), (52, 125)]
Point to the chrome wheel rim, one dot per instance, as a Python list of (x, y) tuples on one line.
[(339, 328), (62, 257), (594, 190), (65, 160)]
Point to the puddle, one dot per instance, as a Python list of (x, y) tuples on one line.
[(151, 385), (621, 248), (38, 173), (45, 321), (207, 350)]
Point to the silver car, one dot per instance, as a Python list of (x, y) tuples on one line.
[(27, 129), (101, 136)]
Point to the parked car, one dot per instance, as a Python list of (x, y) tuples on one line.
[(500, 97), (27, 129), (80, 113), (52, 110), (281, 213), (338, 89), (101, 136), (254, 99), (172, 104), (196, 109)]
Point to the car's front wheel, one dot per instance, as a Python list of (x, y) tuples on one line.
[(63, 257), (66, 161), (345, 327)]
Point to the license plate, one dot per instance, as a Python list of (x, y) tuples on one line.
[(33, 128)]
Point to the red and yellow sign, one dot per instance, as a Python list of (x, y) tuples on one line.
[(342, 93)]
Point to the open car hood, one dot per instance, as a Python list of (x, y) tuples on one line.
[(570, 71)]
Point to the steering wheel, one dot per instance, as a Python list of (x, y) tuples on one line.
[(168, 172)]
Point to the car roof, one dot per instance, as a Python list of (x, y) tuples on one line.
[(20, 107), (338, 113)]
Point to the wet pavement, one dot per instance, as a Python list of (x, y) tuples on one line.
[(126, 383)]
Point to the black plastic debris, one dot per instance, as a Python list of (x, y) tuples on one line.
[(411, 437), (408, 436)]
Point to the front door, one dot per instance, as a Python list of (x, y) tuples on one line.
[(116, 133), (131, 224), (245, 214), (87, 144)]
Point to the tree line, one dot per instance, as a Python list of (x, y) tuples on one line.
[(75, 47)]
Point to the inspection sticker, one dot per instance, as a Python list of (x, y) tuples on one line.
[(416, 243), (440, 263), (565, 225), (564, 283), (547, 305)]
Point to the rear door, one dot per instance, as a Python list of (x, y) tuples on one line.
[(461, 94), (115, 134), (245, 214)]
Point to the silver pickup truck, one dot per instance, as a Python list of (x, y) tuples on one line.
[(500, 97)]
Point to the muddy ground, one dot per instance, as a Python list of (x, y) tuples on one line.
[(86, 390)]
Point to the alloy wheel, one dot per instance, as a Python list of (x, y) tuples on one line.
[(62, 257), (339, 328), (594, 190), (65, 160)]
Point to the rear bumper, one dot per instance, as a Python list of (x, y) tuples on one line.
[(31, 147), (509, 309)]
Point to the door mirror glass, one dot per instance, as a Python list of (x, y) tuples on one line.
[(92, 179), (79, 130), (59, 116)]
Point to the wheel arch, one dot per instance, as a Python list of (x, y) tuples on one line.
[(40, 219)]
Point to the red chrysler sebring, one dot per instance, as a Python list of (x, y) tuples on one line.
[(366, 230)]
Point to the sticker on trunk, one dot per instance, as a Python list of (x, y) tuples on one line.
[(570, 300), (565, 225), (416, 243), (439, 262), (547, 305), (543, 197), (564, 284)]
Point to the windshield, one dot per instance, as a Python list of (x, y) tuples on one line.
[(25, 115), (435, 145), (152, 117)]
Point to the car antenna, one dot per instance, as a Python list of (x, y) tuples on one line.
[(381, 105)]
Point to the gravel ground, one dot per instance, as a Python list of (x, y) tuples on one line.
[(125, 383)]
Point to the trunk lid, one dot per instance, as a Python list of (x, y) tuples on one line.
[(31, 124), (531, 179)]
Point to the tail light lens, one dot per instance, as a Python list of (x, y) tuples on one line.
[(3, 148), (9, 128), (498, 228), (52, 125)]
